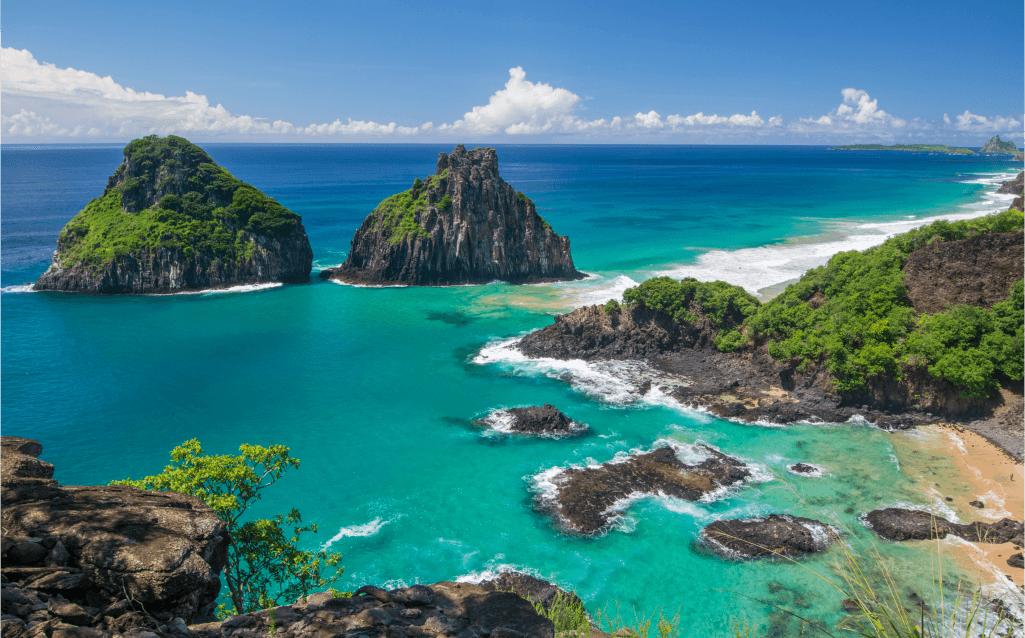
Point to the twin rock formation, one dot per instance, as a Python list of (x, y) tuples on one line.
[(462, 225), (172, 220)]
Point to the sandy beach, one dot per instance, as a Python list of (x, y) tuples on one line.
[(958, 467)]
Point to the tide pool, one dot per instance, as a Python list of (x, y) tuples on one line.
[(375, 390)]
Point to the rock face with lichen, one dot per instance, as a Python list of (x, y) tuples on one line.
[(462, 225)]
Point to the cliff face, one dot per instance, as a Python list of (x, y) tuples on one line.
[(171, 220), (997, 145), (86, 548), (463, 225)]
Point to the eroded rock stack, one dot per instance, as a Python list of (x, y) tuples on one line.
[(462, 225)]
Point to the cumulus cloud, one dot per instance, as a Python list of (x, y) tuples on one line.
[(858, 113), (55, 102), (43, 102), (968, 121)]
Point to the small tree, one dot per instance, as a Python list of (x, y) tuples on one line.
[(264, 562)]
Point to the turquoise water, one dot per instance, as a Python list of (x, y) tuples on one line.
[(375, 389)]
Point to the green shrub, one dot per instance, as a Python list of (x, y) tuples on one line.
[(724, 304), (611, 306), (446, 203)]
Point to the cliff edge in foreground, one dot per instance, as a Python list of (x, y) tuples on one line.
[(170, 220), (462, 225)]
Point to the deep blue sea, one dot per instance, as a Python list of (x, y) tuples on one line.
[(375, 389)]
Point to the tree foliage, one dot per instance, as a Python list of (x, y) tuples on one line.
[(853, 316), (265, 564)]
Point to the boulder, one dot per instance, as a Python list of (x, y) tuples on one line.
[(775, 535), (541, 420), (898, 524)]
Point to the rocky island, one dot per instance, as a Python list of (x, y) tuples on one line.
[(998, 146), (172, 220), (539, 420), (920, 148), (462, 225)]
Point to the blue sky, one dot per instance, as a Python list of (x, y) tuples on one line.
[(801, 72)]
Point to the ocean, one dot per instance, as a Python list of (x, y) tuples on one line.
[(376, 390)]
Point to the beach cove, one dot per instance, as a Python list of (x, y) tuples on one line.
[(376, 389)]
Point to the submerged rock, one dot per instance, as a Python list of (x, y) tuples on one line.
[(585, 499), (774, 535), (543, 420), (898, 524), (171, 219), (462, 225), (803, 468)]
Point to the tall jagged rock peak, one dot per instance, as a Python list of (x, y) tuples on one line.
[(171, 219), (462, 225)]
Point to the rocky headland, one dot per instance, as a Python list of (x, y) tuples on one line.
[(725, 363), (462, 225), (539, 420), (103, 561), (172, 220), (585, 499), (1014, 186), (780, 535)]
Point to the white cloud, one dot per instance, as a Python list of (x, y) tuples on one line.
[(968, 121), (42, 102), (73, 103), (858, 113)]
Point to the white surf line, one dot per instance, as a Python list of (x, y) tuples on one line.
[(761, 267), (366, 529)]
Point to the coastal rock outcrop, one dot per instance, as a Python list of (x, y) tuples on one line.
[(531, 588), (898, 524), (774, 535), (998, 146), (542, 420), (462, 225), (1015, 186), (936, 275), (585, 499), (102, 545), (171, 220)]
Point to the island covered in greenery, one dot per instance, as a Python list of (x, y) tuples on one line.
[(170, 218), (999, 147), (920, 148)]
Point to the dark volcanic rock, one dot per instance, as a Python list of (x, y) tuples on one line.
[(803, 468), (238, 235), (977, 271), (897, 524), (1017, 560), (632, 332), (533, 589), (544, 420), (774, 535), (463, 225), (585, 498), (1014, 186), (162, 550)]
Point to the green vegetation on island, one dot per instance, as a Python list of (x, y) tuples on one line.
[(853, 317), (264, 566), (170, 194), (926, 148), (998, 146)]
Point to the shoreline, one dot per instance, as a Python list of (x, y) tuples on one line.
[(948, 462)]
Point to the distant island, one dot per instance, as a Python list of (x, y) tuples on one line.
[(922, 148), (170, 220), (997, 146)]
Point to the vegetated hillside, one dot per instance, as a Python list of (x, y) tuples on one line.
[(928, 148), (171, 219), (851, 326), (462, 225)]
